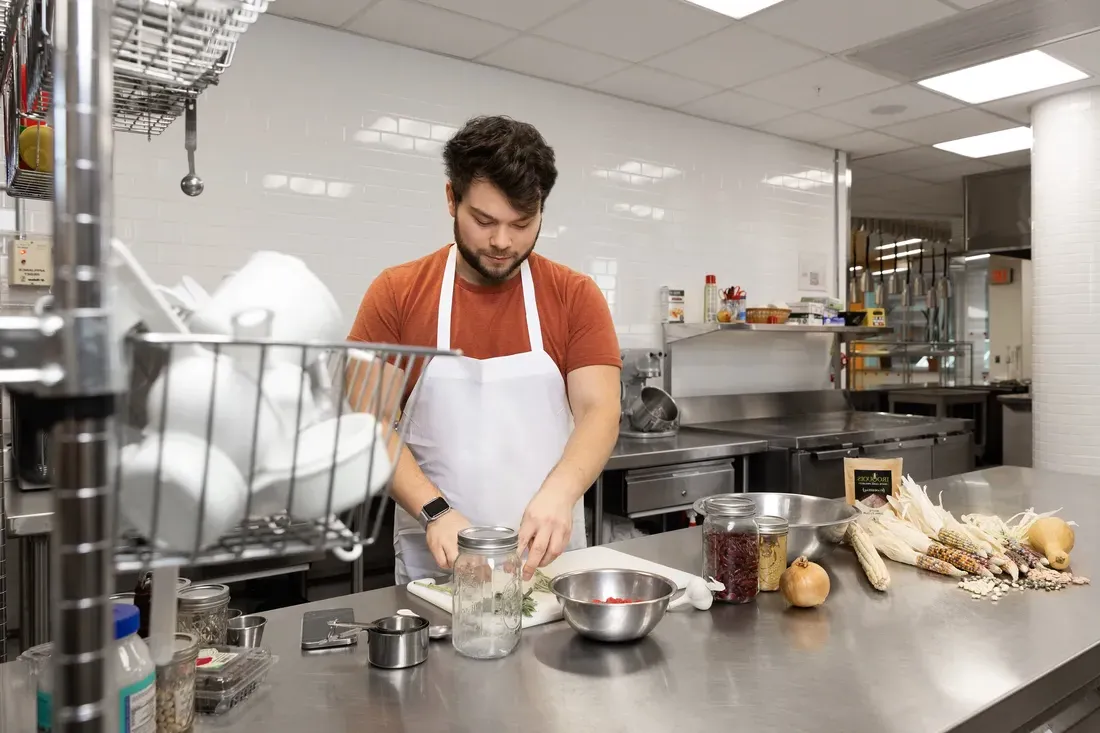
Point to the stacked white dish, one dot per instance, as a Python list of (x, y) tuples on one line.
[(241, 430)]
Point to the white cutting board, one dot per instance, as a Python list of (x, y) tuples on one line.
[(547, 609)]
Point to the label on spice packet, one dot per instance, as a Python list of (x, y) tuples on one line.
[(871, 480), (212, 659)]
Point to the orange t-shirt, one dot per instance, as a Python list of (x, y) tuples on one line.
[(401, 306)]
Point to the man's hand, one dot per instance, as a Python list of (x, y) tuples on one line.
[(545, 529), (442, 536)]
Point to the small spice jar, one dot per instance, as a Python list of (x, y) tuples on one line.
[(487, 611), (773, 550), (176, 687), (204, 611), (730, 547)]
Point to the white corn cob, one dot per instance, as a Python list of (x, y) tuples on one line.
[(873, 566)]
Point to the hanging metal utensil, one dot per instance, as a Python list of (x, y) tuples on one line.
[(931, 302), (892, 286), (918, 284), (946, 304), (191, 184), (943, 287), (880, 284), (853, 285), (931, 294), (906, 301), (865, 273)]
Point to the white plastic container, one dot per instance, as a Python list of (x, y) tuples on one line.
[(133, 671)]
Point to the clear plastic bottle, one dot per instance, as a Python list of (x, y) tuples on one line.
[(134, 672), (488, 593), (710, 300)]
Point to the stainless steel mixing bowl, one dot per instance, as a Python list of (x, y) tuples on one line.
[(578, 590), (817, 525), (653, 411)]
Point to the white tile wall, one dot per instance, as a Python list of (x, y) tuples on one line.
[(1065, 179), (327, 146)]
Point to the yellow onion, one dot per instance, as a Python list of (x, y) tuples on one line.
[(804, 584)]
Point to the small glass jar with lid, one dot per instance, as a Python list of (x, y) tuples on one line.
[(203, 610), (730, 547), (773, 550), (488, 594)]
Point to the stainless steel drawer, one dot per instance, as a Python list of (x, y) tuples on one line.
[(916, 456), (651, 490)]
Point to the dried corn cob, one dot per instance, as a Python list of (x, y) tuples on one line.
[(1022, 561), (958, 540), (1034, 558), (958, 558), (873, 566), (939, 566), (1012, 569)]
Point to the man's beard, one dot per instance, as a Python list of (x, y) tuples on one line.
[(474, 261)]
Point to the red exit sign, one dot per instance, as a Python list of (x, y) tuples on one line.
[(1002, 276)]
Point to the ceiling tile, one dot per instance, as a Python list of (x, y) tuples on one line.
[(520, 15), (733, 56), (953, 171), (1019, 107), (634, 30), (332, 12), (889, 106), (431, 29), (865, 143), (949, 126), (814, 85), (737, 109), (1011, 160), (838, 25), (884, 183), (652, 86), (862, 172), (550, 60), (807, 127), (913, 159), (1082, 52)]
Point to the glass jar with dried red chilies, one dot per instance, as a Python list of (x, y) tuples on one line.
[(730, 547)]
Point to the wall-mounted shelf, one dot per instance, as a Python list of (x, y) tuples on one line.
[(680, 331)]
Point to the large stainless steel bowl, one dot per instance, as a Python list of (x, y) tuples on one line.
[(817, 525), (653, 411), (578, 590)]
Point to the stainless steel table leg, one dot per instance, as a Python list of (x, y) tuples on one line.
[(3, 580), (744, 474), (597, 512), (34, 590)]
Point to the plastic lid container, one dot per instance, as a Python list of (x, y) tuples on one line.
[(126, 620), (202, 597), (228, 675)]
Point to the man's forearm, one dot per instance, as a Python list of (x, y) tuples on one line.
[(411, 488), (586, 452)]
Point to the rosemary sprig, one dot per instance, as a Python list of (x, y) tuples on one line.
[(527, 608)]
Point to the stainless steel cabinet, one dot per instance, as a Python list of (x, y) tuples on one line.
[(952, 455), (916, 455), (653, 490), (820, 472)]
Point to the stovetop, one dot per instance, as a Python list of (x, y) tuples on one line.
[(819, 430)]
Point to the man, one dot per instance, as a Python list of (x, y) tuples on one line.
[(513, 432)]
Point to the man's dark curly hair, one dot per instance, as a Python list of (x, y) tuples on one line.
[(511, 155)]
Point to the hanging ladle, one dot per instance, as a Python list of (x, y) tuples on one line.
[(191, 184)]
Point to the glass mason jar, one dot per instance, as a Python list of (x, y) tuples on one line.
[(488, 593), (203, 610), (773, 550), (730, 547)]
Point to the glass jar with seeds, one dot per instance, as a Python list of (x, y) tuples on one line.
[(176, 687), (773, 550), (204, 612)]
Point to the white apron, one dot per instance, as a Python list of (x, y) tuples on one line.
[(486, 432)]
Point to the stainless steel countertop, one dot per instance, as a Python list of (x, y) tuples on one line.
[(939, 393), (1016, 401), (688, 445), (819, 430), (29, 512), (923, 657)]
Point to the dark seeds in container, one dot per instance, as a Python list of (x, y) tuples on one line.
[(733, 559)]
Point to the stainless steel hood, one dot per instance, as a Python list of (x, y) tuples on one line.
[(998, 213)]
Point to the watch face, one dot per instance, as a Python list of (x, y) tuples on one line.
[(435, 507)]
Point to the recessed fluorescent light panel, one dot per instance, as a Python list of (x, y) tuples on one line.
[(898, 244), (991, 143), (1005, 77), (735, 8)]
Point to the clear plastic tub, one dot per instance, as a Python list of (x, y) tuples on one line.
[(228, 675)]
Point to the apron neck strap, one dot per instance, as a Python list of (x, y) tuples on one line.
[(447, 296)]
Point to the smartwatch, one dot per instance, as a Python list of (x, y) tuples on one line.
[(433, 510)]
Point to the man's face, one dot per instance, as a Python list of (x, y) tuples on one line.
[(491, 236)]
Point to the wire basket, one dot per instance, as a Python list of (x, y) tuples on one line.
[(236, 448)]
